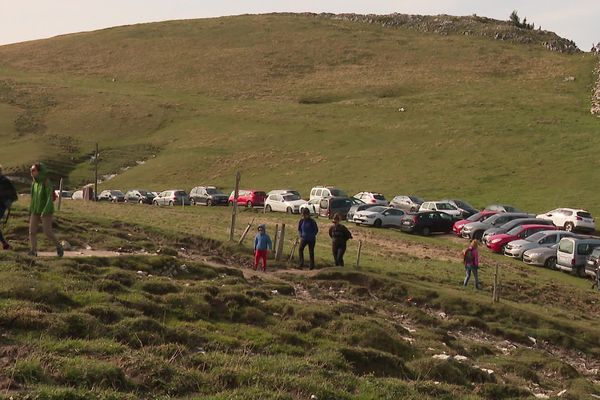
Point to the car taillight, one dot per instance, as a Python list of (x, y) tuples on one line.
[(572, 262), (373, 201), (415, 219), (579, 218)]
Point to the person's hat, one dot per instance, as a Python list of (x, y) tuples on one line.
[(261, 226)]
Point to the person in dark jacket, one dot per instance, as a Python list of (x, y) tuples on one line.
[(339, 235), (307, 231), (41, 208), (8, 195), (471, 261)]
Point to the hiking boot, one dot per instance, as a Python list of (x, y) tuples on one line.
[(59, 250), (5, 246)]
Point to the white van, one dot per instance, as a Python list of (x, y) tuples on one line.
[(572, 253), (320, 192)]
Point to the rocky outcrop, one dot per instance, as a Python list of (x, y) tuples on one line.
[(468, 25), (596, 92)]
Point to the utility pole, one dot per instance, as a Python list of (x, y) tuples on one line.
[(236, 194), (96, 174)]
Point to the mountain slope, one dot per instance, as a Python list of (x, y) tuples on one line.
[(294, 100)]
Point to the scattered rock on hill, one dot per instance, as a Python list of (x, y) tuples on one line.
[(595, 110), (466, 25)]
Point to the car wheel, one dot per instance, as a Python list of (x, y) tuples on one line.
[(289, 210), (425, 231), (268, 208), (141, 201), (249, 204), (193, 202), (155, 203), (569, 226), (550, 263), (171, 203), (209, 203), (478, 235), (230, 203), (377, 223), (412, 209)]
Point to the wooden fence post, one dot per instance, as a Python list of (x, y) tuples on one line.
[(294, 245), (280, 242), (275, 239), (60, 189), (358, 253), (246, 231), (496, 291), (234, 209)]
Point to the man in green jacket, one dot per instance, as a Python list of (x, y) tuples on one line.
[(41, 208)]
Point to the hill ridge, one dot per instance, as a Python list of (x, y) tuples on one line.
[(444, 24)]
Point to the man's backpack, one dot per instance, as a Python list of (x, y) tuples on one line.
[(468, 256), (7, 189)]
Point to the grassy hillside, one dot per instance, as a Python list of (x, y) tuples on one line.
[(294, 100), (196, 323)]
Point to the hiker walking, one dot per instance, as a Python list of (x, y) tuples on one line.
[(8, 195), (307, 231), (41, 208), (339, 235), (262, 245), (471, 261)]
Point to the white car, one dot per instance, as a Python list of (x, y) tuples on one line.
[(288, 203), (312, 206), (442, 206), (319, 192), (372, 198), (570, 219), (379, 216)]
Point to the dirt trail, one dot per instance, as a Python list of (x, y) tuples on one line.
[(82, 253)]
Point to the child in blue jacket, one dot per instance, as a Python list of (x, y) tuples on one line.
[(262, 245)]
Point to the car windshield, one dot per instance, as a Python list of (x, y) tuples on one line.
[(116, 193), (338, 193), (357, 201), (291, 197), (584, 214), (213, 191), (179, 193), (378, 197), (416, 199), (377, 209), (515, 230), (464, 205), (445, 206), (474, 217), (511, 209), (536, 236)]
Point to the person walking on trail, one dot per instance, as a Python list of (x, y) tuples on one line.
[(262, 245), (307, 231), (339, 235), (8, 195), (41, 208), (471, 261)]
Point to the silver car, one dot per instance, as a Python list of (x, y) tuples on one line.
[(172, 198), (474, 230), (516, 248), (379, 216), (541, 256)]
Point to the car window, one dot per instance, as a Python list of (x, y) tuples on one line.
[(377, 209), (568, 213), (585, 249), (319, 192), (445, 206), (446, 216), (415, 199), (337, 193), (378, 197), (291, 197), (566, 246), (584, 214)]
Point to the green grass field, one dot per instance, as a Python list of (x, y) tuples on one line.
[(179, 326), (299, 101), (292, 101)]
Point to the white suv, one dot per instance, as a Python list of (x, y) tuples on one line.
[(442, 206), (372, 198), (320, 192), (570, 219), (289, 203)]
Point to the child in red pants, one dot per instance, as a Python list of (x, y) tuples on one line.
[(262, 245)]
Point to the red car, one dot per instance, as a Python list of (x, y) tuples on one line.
[(480, 216), (249, 198), (496, 243)]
